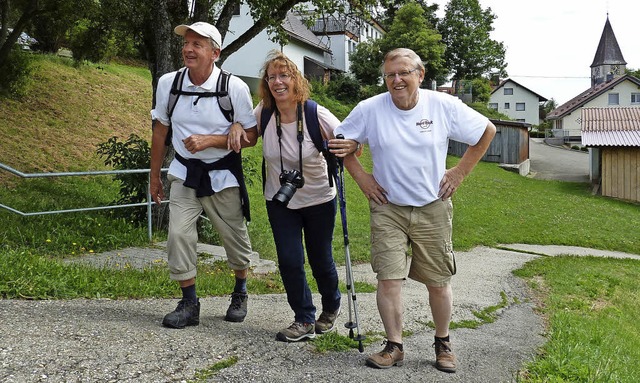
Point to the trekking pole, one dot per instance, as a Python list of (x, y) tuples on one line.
[(353, 314)]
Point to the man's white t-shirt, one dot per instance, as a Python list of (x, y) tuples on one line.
[(409, 147), (202, 117)]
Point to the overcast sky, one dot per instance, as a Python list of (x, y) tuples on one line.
[(551, 43)]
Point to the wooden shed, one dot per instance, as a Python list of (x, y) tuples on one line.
[(510, 146), (613, 138)]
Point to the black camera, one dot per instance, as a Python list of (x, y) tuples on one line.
[(290, 181)]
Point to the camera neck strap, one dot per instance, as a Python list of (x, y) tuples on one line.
[(300, 135)]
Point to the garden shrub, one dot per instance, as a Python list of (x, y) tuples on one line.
[(15, 73), (134, 153)]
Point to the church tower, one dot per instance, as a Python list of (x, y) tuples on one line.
[(608, 62)]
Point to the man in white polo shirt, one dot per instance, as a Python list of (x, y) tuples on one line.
[(206, 173)]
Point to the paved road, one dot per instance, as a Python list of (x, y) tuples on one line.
[(554, 163)]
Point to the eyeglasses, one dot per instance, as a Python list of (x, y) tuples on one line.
[(403, 74), (282, 77)]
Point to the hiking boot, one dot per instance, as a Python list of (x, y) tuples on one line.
[(326, 321), (389, 357), (186, 314), (238, 308), (297, 332), (445, 358)]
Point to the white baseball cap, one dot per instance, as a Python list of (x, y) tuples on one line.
[(201, 28)]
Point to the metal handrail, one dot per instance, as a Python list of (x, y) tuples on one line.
[(148, 204)]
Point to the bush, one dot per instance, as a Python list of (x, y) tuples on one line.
[(92, 41), (536, 134), (372, 90), (344, 88), (131, 154), (15, 73)]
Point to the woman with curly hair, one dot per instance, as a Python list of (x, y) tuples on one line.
[(301, 203)]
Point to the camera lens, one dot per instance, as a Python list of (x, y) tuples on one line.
[(283, 196)]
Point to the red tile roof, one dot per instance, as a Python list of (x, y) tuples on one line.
[(588, 95)]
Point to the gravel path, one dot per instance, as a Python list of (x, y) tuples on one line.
[(123, 340)]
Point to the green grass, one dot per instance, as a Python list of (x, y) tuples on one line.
[(592, 305), (334, 342), (203, 375), (25, 274), (494, 206)]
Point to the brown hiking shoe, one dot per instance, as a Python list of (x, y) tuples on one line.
[(326, 322), (445, 358), (296, 332), (389, 357)]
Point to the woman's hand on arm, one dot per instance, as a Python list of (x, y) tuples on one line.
[(341, 147), (239, 137), (236, 139)]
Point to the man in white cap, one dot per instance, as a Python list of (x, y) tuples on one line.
[(206, 173)]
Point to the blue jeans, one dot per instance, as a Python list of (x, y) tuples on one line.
[(318, 223)]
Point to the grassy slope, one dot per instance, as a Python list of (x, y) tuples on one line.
[(68, 111)]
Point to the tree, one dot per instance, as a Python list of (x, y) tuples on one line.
[(389, 8), (19, 14), (471, 53), (546, 108), (634, 73), (481, 90), (410, 29), (365, 62), (267, 14)]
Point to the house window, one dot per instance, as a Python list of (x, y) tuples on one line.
[(635, 98), (508, 91), (507, 105), (236, 9), (493, 105), (614, 99), (520, 106)]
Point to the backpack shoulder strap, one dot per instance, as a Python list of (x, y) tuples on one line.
[(224, 100), (174, 93), (313, 124), (265, 116)]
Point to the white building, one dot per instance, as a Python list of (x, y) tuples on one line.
[(517, 102), (304, 48), (316, 51), (342, 33)]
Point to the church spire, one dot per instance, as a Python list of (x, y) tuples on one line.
[(608, 61)]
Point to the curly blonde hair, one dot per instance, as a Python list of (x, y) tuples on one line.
[(277, 60)]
